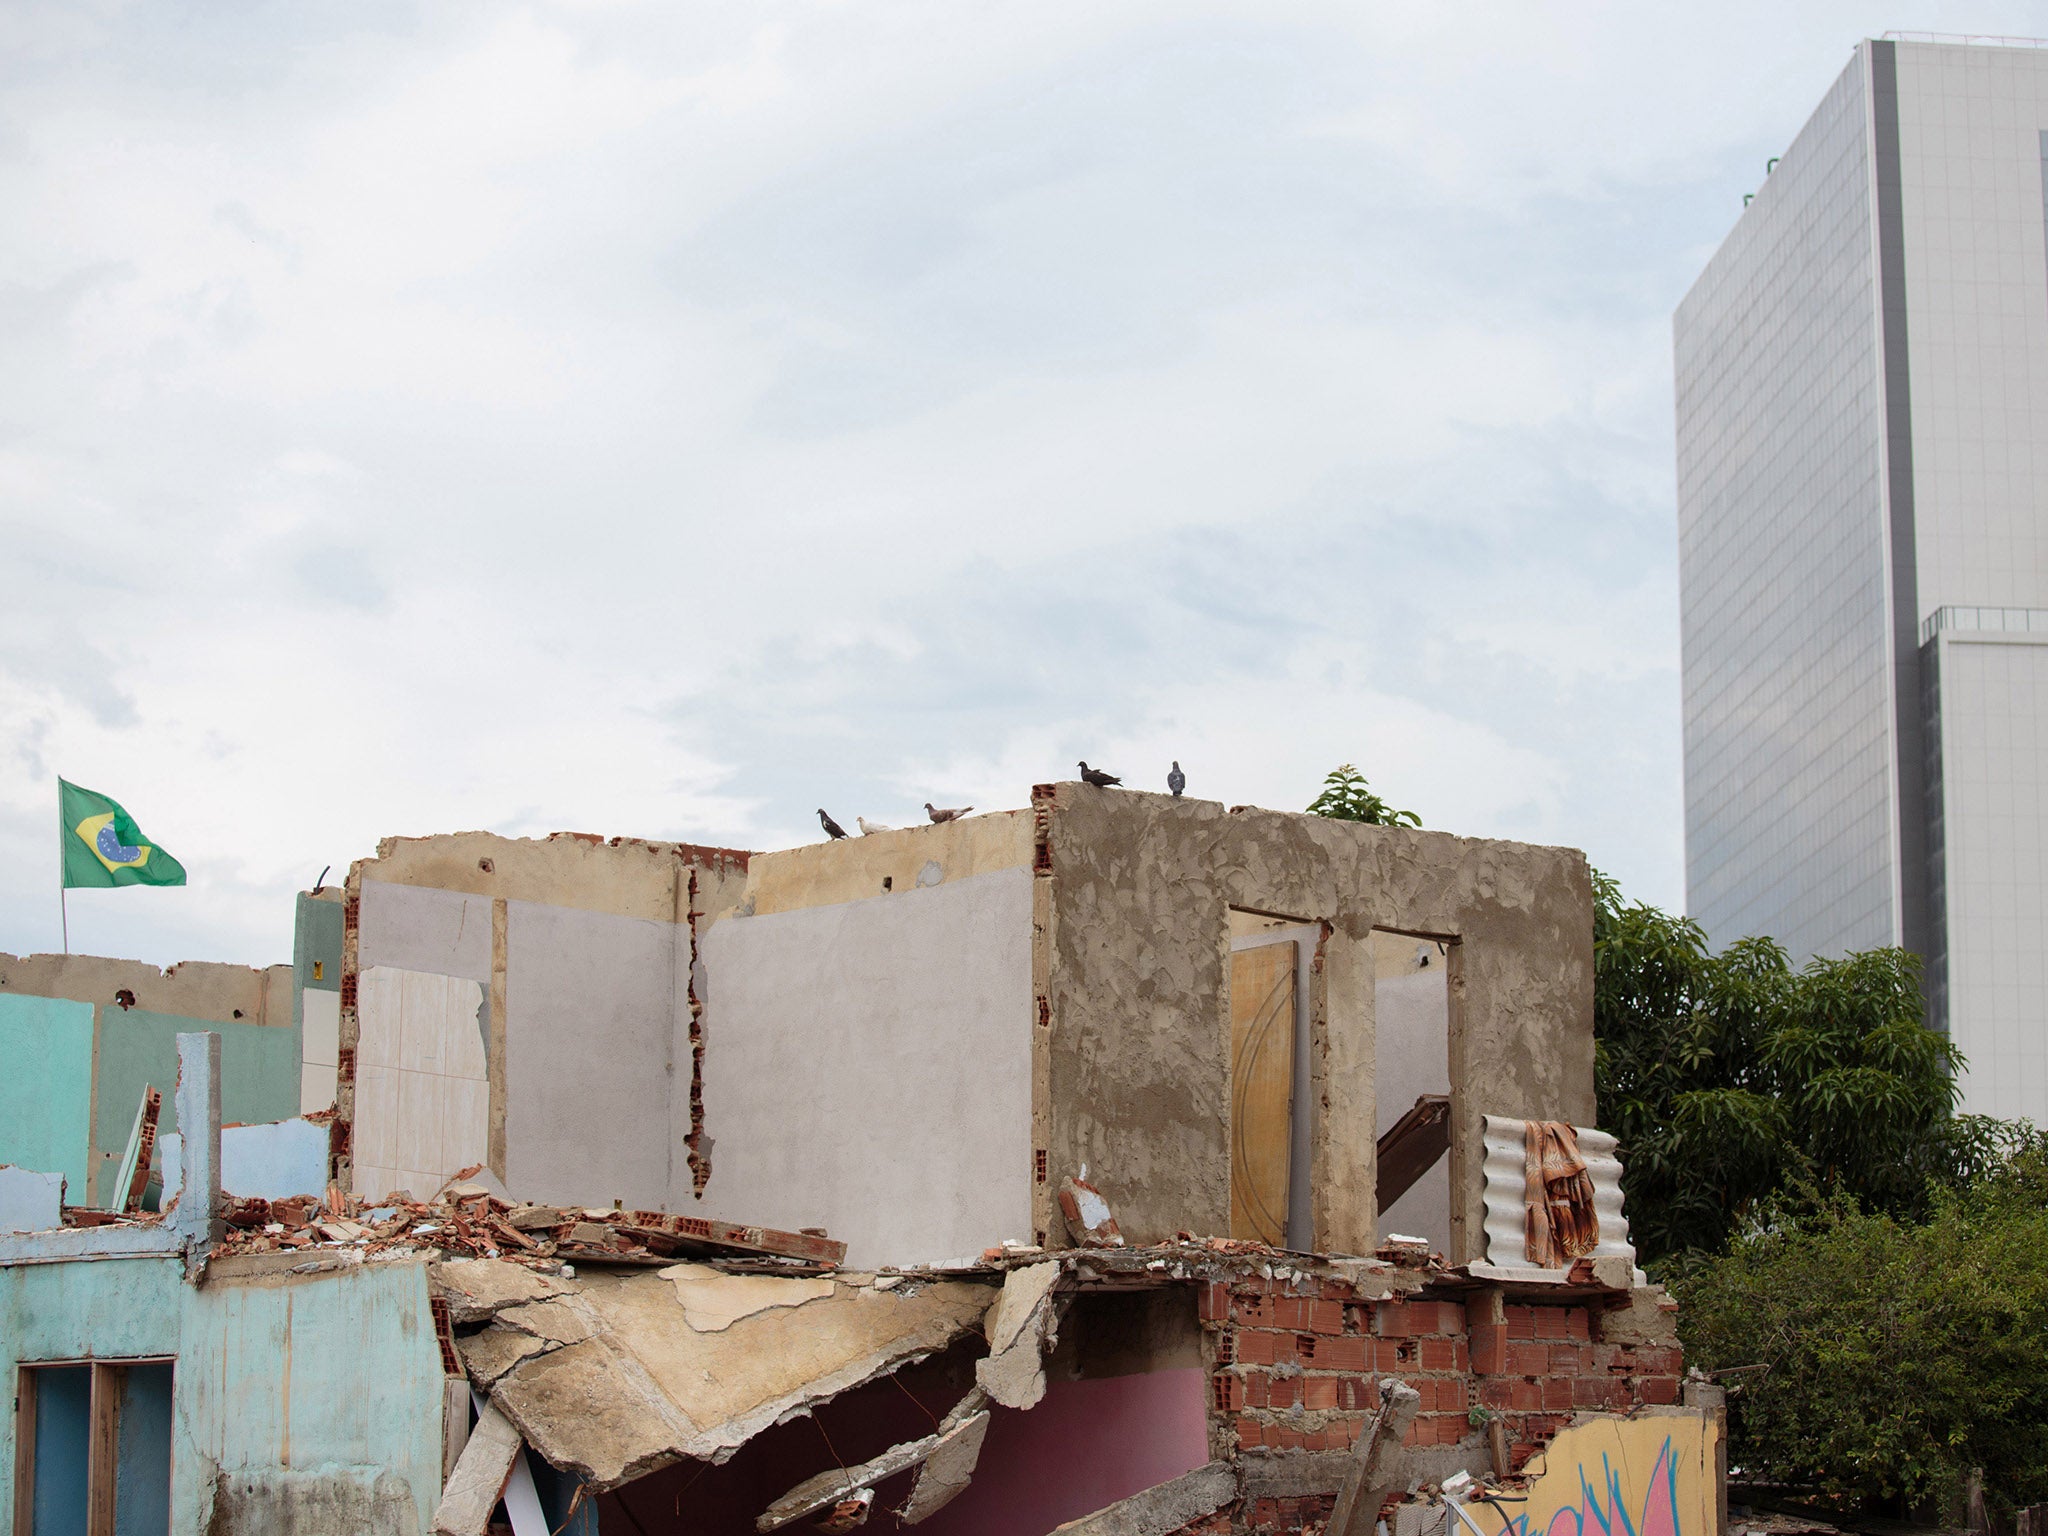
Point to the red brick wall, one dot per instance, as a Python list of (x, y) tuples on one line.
[(1291, 1372)]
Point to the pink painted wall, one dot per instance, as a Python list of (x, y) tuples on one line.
[(1089, 1443)]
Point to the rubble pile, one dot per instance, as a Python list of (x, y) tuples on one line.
[(468, 1221)]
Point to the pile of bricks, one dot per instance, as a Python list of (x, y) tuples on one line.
[(1295, 1364), (468, 1221)]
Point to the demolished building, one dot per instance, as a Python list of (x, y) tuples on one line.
[(1106, 1105)]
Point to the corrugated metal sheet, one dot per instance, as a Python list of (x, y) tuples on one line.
[(1507, 1187)]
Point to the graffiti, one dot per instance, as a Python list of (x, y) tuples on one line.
[(1628, 1477)]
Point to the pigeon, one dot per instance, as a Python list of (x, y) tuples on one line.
[(868, 828), (832, 828), (1097, 777), (1176, 780), (937, 815)]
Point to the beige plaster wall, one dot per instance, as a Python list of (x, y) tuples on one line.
[(581, 948), (1134, 985), (193, 989)]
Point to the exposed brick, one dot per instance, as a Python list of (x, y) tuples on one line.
[(1525, 1396), (1550, 1323), (1279, 1439), (1600, 1392), (1521, 1322), (1318, 1392), (1557, 1392), (1356, 1392), (1439, 1355), (1326, 1317), (1528, 1359), (1344, 1352), (1253, 1311), (1661, 1390), (1256, 1348), (1214, 1304), (1305, 1350), (1489, 1350), (1578, 1322), (1567, 1360), (1660, 1360), (1250, 1432), (1229, 1393), (1390, 1320), (1497, 1393)]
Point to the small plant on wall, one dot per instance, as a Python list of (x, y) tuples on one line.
[(1347, 797)]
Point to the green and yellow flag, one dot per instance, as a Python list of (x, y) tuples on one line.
[(103, 846)]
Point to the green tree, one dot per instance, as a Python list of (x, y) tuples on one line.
[(1729, 1078), (1881, 1359), (1347, 797)]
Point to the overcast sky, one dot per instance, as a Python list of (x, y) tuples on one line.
[(664, 420)]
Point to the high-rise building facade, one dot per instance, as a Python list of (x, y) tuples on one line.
[(1862, 390)]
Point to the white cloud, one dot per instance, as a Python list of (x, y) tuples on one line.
[(664, 421)]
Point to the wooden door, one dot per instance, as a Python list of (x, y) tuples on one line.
[(1262, 1014)]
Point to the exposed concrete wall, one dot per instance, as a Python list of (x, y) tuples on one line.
[(581, 949), (1137, 994), (129, 1014), (293, 1395), (867, 1068)]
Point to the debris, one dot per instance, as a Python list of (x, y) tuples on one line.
[(1412, 1146), (849, 1513), (479, 1477), (133, 1178), (950, 1466), (713, 1301), (1375, 1459), (1162, 1508), (1020, 1330), (1088, 1215)]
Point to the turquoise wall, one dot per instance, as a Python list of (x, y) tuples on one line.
[(259, 1072), (305, 1392), (46, 1087)]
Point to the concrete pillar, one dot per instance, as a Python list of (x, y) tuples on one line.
[(1712, 1401), (197, 1216)]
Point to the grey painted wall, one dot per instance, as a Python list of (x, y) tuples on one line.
[(418, 928), (867, 1069), (1412, 1014), (593, 1007)]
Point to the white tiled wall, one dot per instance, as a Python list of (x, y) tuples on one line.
[(422, 1085), (319, 1049)]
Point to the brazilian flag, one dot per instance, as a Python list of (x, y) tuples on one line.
[(103, 846)]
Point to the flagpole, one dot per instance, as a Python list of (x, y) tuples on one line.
[(63, 906)]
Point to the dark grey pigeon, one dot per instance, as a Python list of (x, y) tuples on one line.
[(1176, 780), (832, 828), (1097, 777)]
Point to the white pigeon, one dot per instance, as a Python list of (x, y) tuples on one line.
[(867, 827)]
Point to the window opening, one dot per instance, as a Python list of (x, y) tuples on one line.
[(93, 1448), (1412, 1085)]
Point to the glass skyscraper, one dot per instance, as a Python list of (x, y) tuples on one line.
[(1862, 391)]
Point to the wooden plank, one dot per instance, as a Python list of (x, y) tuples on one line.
[(1262, 1014), (103, 1448), (24, 1451), (1412, 1146)]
